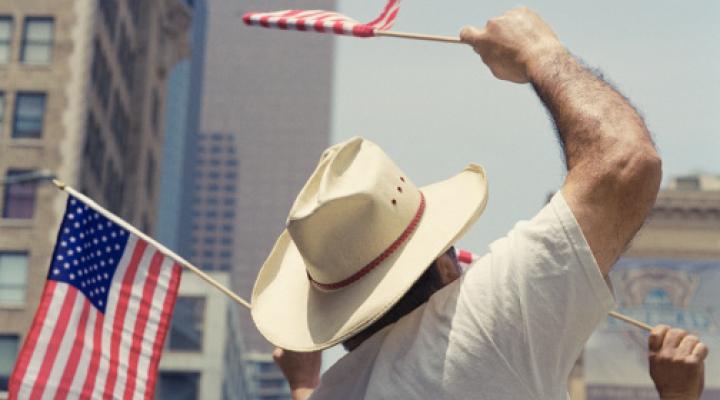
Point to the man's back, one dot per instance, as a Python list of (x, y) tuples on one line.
[(510, 328)]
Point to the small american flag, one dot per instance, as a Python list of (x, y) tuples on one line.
[(325, 21), (465, 258), (103, 315)]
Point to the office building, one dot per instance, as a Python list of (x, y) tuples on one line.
[(82, 88)]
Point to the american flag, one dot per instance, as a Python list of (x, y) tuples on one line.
[(325, 21), (465, 258), (103, 315)]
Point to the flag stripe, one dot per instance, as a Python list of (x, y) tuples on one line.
[(88, 350), (108, 326), (124, 297), (154, 318), (74, 357), (43, 341), (381, 18), (131, 316), (64, 349), (31, 341), (141, 322), (53, 345), (159, 340), (89, 384)]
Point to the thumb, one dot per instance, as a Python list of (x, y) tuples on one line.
[(471, 34)]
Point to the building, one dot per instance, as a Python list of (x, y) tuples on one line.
[(670, 274), (82, 88), (182, 124), (215, 193), (203, 350), (266, 381), (273, 90)]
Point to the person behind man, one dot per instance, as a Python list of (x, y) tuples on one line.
[(352, 265)]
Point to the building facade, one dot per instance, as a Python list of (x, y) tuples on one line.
[(203, 350), (215, 196), (82, 84)]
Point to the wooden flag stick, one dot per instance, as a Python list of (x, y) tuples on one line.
[(164, 250), (418, 36), (630, 321)]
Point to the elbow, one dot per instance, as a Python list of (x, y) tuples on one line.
[(639, 171)]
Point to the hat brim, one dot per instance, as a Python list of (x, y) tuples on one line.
[(292, 314)]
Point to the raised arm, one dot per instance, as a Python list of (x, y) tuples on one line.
[(613, 169)]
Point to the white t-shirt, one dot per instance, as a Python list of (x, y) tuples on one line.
[(510, 328)]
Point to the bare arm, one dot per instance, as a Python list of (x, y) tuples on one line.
[(613, 169)]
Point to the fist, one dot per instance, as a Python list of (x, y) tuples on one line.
[(511, 44), (676, 363)]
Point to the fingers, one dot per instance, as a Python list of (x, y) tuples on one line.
[(700, 351), (687, 345), (471, 35), (673, 338), (657, 335)]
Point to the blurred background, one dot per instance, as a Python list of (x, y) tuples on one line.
[(200, 131)]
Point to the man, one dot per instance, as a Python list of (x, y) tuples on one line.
[(675, 359), (360, 236)]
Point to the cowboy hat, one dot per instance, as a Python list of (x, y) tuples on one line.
[(358, 236)]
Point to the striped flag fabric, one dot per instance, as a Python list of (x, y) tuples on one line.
[(324, 21), (103, 316), (465, 258)]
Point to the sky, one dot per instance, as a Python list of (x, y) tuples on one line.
[(435, 107)]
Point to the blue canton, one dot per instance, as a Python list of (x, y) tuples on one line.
[(87, 252)]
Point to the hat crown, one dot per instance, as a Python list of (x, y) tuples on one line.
[(355, 205)]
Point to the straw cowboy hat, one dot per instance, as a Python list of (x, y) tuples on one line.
[(358, 236)]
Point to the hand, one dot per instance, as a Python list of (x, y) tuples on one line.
[(512, 43), (676, 363), (302, 370)]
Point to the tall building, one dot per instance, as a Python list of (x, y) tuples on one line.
[(671, 275), (82, 88), (273, 90), (182, 124), (215, 192)]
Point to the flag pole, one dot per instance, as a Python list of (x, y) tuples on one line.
[(418, 36), (164, 250), (630, 321)]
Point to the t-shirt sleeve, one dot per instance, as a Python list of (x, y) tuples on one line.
[(535, 298)]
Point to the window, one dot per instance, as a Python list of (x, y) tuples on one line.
[(6, 33), (9, 345), (29, 115), (13, 278), (37, 42), (178, 386), (19, 199), (186, 329)]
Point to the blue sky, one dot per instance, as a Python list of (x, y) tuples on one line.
[(435, 107)]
